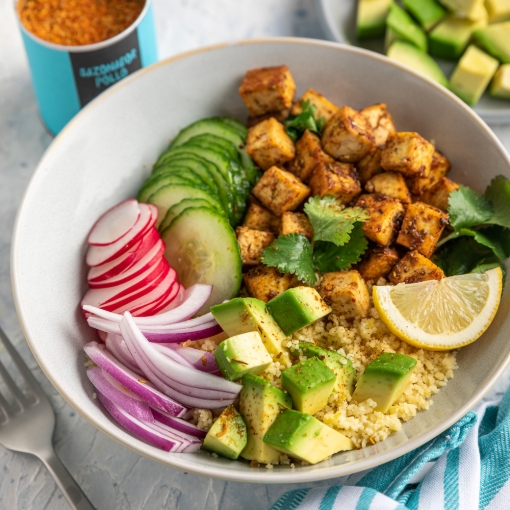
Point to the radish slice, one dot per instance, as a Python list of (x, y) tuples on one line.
[(177, 423), (114, 223), (97, 255), (155, 300)]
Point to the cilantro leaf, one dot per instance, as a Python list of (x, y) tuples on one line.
[(297, 124), (330, 222), (291, 254), (329, 258), (467, 208), (498, 193)]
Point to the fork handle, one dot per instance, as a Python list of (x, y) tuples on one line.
[(66, 483)]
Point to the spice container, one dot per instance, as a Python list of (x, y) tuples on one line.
[(78, 48)]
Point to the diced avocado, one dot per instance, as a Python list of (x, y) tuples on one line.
[(227, 437), (390, 37), (500, 86), (385, 379), (450, 38), (296, 308), (495, 39), (371, 19), (406, 28), (472, 75), (340, 365), (304, 437), (463, 8), (427, 12), (242, 354), (260, 403), (242, 315), (499, 10), (310, 384), (418, 60)]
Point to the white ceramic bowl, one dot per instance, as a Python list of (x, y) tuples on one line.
[(106, 152)]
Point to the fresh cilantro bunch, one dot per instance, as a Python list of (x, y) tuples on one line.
[(338, 241), (297, 124), (481, 237)]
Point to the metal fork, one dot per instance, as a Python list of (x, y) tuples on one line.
[(28, 427)]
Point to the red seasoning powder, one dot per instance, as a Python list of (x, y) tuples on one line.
[(78, 22)]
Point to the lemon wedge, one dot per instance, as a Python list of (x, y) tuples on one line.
[(441, 315)]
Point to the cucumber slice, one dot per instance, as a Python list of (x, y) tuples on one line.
[(201, 246), (167, 196), (152, 185), (213, 126), (177, 209), (239, 126)]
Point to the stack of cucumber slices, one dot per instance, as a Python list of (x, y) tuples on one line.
[(200, 186)]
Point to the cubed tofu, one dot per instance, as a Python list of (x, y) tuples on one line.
[(439, 167), (336, 179), (439, 194), (346, 293), (407, 153), (308, 154), (385, 217), (280, 116), (380, 121), (269, 144), (414, 268), (324, 107), (295, 223), (268, 89), (265, 283), (377, 262), (259, 218), (422, 227), (391, 184), (369, 166), (280, 191), (347, 136), (252, 244)]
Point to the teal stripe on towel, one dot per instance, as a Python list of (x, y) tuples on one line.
[(451, 480), (366, 498), (290, 500), (329, 498)]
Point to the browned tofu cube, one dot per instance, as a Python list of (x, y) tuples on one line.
[(252, 244), (280, 116), (369, 166), (280, 191), (407, 153), (296, 223), (308, 154), (268, 144), (438, 195), (380, 121), (414, 268), (385, 217), (347, 136), (439, 167), (265, 283), (346, 293), (422, 227), (259, 218), (391, 184), (268, 89), (324, 107), (377, 262), (336, 179)]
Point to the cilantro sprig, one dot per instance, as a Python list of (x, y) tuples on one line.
[(296, 125)]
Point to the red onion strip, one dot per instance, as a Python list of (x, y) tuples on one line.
[(117, 347), (177, 423)]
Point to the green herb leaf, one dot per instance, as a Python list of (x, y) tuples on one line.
[(498, 193), (296, 125), (291, 254), (467, 208), (330, 221), (329, 257)]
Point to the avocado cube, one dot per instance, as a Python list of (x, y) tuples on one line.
[(259, 404), (472, 75), (242, 315), (463, 8), (304, 437), (385, 379), (405, 27), (498, 10), (338, 364), (242, 354), (310, 384), (500, 86), (371, 18), (296, 308), (227, 437), (495, 40), (427, 12)]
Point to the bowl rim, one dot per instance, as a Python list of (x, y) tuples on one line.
[(251, 476)]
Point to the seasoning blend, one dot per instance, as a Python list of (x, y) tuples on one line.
[(78, 48)]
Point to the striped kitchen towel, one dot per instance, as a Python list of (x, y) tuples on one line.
[(472, 472)]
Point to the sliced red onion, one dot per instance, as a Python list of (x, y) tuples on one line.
[(201, 360), (197, 333), (177, 423), (130, 380), (174, 355), (117, 347), (119, 395)]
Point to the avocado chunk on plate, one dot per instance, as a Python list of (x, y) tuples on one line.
[(498, 10), (427, 12), (304, 437), (371, 18), (500, 86), (406, 28), (495, 40)]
